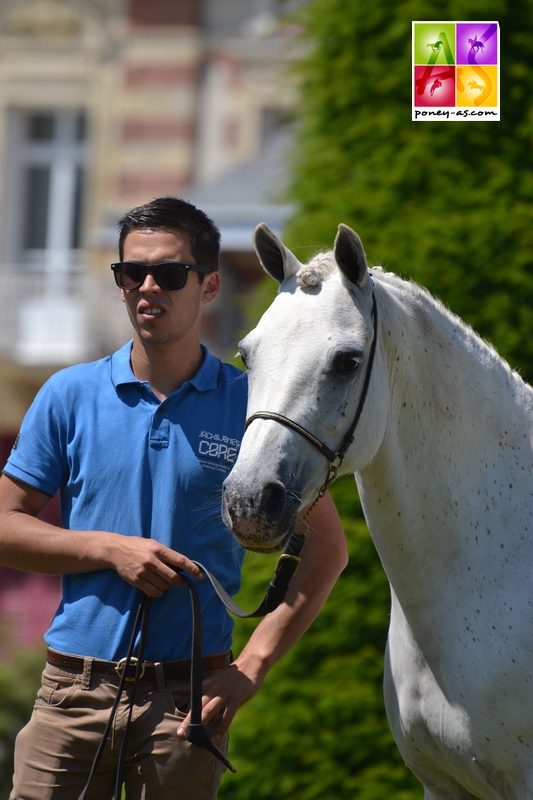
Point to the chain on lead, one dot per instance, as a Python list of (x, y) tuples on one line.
[(330, 477)]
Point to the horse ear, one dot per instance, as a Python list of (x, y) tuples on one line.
[(350, 255), (276, 259)]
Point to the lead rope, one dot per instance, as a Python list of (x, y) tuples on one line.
[(140, 622), (143, 611), (197, 734)]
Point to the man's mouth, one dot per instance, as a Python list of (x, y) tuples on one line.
[(150, 312)]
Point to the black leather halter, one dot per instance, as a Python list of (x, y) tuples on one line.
[(335, 457)]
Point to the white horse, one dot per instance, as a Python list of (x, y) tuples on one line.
[(442, 454)]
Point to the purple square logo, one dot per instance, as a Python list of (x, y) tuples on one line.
[(476, 43)]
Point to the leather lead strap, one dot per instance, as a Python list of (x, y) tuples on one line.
[(140, 622), (287, 565), (196, 732)]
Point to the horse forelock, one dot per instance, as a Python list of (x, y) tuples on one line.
[(312, 274)]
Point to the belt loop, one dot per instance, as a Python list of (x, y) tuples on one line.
[(87, 672), (159, 675)]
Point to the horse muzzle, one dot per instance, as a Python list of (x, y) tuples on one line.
[(261, 517)]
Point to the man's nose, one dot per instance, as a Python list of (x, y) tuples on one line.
[(149, 284)]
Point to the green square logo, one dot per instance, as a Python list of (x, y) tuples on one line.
[(434, 43)]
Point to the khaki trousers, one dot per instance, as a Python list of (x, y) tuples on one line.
[(55, 750)]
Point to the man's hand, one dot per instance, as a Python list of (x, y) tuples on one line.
[(148, 565), (30, 543), (224, 692)]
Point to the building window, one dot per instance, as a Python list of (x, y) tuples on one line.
[(43, 277), (47, 153)]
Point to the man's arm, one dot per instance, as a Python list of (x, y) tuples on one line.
[(29, 543), (324, 556)]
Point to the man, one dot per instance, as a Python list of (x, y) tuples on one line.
[(139, 444)]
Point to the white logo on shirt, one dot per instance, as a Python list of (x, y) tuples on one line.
[(218, 446)]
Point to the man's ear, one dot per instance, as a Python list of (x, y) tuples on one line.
[(210, 287)]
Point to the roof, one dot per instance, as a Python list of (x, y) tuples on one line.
[(240, 199)]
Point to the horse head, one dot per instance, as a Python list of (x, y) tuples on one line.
[(306, 360)]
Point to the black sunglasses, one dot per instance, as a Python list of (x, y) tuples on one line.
[(169, 275)]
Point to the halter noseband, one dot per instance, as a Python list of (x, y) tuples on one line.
[(335, 458)]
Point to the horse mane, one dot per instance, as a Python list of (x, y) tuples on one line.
[(420, 301)]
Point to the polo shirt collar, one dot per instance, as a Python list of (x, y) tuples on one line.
[(203, 380)]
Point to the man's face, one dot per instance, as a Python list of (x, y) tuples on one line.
[(161, 317)]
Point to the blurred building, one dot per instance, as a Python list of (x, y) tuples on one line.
[(105, 104)]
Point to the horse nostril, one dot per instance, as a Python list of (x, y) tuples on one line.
[(273, 500)]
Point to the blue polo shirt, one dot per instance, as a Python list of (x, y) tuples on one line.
[(126, 462)]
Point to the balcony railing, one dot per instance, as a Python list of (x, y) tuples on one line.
[(47, 319)]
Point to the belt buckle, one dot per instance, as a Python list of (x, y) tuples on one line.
[(133, 661)]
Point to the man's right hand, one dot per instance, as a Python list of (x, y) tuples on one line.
[(29, 543), (148, 565)]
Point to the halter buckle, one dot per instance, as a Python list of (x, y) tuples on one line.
[(132, 662), (287, 565), (333, 469), (332, 474), (293, 560)]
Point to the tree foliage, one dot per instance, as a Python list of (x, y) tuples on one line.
[(445, 203)]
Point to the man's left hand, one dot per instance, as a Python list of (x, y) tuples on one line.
[(224, 692)]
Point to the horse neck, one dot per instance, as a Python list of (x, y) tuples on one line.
[(456, 413)]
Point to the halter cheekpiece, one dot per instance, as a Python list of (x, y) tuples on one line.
[(335, 457)]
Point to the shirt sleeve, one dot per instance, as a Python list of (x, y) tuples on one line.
[(37, 457)]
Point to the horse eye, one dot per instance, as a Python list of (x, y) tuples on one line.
[(346, 363)]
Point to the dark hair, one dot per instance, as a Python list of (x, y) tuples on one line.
[(174, 214)]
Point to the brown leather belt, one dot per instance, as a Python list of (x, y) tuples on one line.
[(172, 670)]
